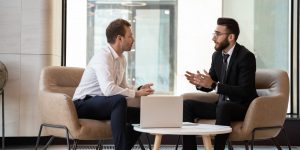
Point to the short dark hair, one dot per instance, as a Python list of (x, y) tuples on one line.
[(115, 28), (231, 25)]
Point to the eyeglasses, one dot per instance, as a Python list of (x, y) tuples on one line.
[(217, 34)]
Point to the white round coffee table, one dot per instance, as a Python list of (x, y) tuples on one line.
[(205, 130)]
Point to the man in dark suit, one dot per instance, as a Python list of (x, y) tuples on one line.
[(232, 76)]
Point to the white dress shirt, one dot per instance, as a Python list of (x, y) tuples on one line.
[(230, 53), (105, 75)]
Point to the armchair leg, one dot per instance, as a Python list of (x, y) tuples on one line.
[(286, 137), (38, 138), (246, 145), (274, 141), (149, 143), (100, 145), (141, 144), (230, 147), (52, 137), (67, 135), (75, 144), (49, 142), (252, 139), (263, 128), (178, 139)]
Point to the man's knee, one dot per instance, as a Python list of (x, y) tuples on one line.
[(187, 104), (119, 100), (223, 116), (188, 116)]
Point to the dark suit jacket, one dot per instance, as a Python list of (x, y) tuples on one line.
[(239, 84)]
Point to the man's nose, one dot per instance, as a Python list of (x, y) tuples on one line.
[(213, 38)]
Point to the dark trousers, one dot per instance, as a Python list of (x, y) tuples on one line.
[(112, 108), (223, 112)]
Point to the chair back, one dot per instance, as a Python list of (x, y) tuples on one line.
[(267, 110), (56, 89), (58, 79), (272, 82)]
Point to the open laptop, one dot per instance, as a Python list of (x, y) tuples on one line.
[(161, 111)]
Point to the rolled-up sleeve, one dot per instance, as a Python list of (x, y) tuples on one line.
[(106, 74)]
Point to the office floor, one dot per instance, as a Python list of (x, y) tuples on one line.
[(109, 147)]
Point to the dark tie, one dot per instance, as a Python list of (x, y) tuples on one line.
[(223, 74)]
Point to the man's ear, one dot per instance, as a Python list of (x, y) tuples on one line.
[(231, 37), (119, 37)]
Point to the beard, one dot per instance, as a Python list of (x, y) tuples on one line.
[(222, 45), (126, 47)]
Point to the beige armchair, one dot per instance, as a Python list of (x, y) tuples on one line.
[(266, 114), (59, 116)]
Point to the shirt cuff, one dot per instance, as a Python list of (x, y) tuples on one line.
[(139, 87), (131, 93), (216, 89), (198, 87)]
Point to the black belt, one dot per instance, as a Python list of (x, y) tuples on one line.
[(85, 98)]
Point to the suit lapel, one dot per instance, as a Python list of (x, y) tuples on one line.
[(232, 59), (219, 61)]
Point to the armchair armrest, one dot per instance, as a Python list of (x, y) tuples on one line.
[(200, 96), (265, 111), (58, 108)]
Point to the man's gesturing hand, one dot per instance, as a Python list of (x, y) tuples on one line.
[(144, 90)]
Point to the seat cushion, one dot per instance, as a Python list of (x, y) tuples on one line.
[(94, 129)]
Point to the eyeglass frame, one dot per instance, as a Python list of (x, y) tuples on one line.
[(217, 34)]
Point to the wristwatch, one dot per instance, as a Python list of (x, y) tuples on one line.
[(213, 85)]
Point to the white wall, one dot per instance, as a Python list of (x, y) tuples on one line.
[(197, 20), (29, 40)]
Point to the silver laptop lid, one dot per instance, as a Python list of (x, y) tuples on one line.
[(161, 111)]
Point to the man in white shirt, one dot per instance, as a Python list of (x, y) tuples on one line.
[(103, 92)]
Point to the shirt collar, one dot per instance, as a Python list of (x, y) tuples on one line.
[(230, 50), (113, 52)]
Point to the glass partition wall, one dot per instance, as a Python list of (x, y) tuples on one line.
[(173, 36), (266, 29), (153, 54)]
